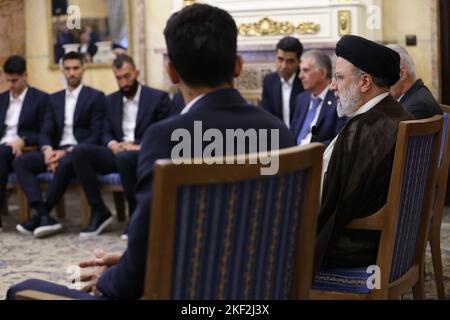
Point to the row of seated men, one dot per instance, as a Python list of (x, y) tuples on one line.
[(202, 48), (80, 134)]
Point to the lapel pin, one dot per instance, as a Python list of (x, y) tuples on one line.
[(329, 103)]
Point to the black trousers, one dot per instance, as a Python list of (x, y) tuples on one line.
[(91, 160), (6, 159), (29, 165)]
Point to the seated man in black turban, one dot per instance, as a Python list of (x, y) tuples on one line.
[(358, 163)]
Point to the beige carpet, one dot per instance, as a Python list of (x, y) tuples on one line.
[(22, 257)]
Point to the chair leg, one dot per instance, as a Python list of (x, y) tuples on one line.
[(419, 288), (24, 208), (85, 209), (61, 209), (119, 201), (435, 244)]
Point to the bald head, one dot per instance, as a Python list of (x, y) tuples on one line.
[(407, 72)]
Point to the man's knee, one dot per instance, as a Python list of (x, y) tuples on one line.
[(127, 159)]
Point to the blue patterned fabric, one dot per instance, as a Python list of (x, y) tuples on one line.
[(351, 280), (416, 167), (237, 241), (110, 179)]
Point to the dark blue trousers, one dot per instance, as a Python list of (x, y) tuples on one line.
[(6, 159), (91, 160)]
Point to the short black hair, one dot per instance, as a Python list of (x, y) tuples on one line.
[(73, 55), (202, 45), (15, 65), (291, 44), (121, 59)]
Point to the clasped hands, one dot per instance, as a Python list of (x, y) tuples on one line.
[(100, 264), (51, 157), (118, 147)]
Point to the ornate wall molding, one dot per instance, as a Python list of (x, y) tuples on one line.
[(269, 27)]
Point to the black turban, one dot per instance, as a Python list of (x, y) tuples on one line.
[(371, 57)]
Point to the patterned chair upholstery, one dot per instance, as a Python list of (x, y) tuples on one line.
[(226, 232), (438, 206), (403, 222)]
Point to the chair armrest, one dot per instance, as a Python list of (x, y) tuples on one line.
[(30, 149), (37, 295), (373, 222)]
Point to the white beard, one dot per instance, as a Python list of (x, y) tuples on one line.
[(348, 103)]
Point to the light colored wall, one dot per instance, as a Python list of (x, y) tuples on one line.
[(405, 17), (157, 14), (38, 56)]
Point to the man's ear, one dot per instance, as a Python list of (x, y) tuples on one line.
[(173, 74), (404, 74), (238, 66), (366, 83)]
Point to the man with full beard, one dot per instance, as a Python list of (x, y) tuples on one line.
[(358, 163), (130, 111)]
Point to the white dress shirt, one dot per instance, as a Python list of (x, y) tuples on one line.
[(188, 107), (286, 90), (366, 107), (129, 116), (68, 139), (12, 117), (322, 96)]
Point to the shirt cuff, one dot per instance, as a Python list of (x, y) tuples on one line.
[(111, 142)]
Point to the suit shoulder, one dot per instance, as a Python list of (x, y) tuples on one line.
[(152, 91), (92, 91)]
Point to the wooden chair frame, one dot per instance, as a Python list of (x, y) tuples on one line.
[(168, 177)]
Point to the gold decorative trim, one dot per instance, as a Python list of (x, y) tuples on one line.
[(345, 22), (188, 2), (269, 27)]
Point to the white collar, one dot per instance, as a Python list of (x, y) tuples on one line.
[(75, 93), (136, 97), (188, 107), (290, 82), (370, 104), (20, 98)]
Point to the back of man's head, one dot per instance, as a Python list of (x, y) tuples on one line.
[(291, 44), (406, 61), (15, 65), (201, 44)]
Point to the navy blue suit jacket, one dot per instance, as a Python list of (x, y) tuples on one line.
[(154, 105), (88, 118), (328, 124), (222, 109), (31, 116), (272, 97)]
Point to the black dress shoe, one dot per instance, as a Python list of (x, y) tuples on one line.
[(99, 222), (29, 226), (47, 227)]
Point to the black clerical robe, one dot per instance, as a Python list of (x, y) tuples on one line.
[(356, 183)]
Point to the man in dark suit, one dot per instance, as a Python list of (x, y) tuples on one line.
[(282, 87), (315, 118), (357, 164), (412, 93), (74, 116), (130, 111), (21, 115), (201, 43)]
